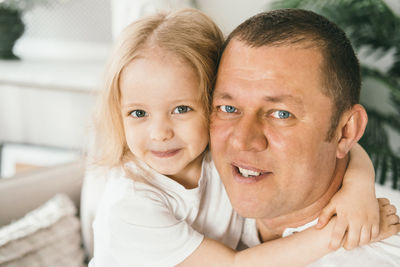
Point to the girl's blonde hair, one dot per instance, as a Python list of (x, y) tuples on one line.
[(188, 34)]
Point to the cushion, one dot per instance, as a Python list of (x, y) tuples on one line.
[(27, 191), (46, 236)]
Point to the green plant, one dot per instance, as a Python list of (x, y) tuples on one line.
[(372, 26)]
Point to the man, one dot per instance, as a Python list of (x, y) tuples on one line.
[(285, 116)]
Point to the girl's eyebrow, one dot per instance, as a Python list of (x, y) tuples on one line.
[(134, 104), (186, 100), (127, 105)]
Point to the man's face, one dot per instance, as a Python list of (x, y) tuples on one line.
[(269, 127)]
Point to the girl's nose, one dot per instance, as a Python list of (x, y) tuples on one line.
[(161, 130)]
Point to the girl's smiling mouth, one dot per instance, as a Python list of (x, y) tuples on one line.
[(166, 153)]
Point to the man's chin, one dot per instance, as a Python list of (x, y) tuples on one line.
[(255, 212), (249, 205)]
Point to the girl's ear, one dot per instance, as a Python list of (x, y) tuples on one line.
[(351, 129)]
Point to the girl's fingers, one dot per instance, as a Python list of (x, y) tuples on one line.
[(326, 215), (383, 201), (365, 237), (353, 238), (375, 231), (391, 230), (393, 219), (338, 234), (389, 209)]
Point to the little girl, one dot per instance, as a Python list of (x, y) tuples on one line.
[(164, 199)]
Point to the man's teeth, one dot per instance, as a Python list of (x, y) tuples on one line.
[(247, 173)]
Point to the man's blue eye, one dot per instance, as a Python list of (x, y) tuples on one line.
[(281, 114), (181, 109), (138, 113), (228, 109)]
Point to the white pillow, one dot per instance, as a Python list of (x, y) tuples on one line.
[(46, 236)]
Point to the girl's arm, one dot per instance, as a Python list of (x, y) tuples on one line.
[(296, 250), (361, 218)]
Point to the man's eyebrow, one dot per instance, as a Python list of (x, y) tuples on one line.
[(283, 98), (222, 95), (273, 99)]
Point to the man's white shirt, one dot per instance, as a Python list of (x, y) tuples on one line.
[(385, 253)]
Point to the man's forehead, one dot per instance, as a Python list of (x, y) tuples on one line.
[(281, 65), (250, 73), (235, 51), (238, 62), (240, 51)]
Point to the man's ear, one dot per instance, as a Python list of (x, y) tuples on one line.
[(351, 129)]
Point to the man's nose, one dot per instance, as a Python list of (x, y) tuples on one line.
[(248, 135), (161, 129)]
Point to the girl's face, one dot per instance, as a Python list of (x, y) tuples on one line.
[(163, 116)]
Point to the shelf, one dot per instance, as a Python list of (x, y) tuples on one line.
[(56, 65)]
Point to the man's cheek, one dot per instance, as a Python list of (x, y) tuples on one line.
[(280, 142), (218, 132), (291, 143)]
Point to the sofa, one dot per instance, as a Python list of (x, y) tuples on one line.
[(36, 232), (21, 195)]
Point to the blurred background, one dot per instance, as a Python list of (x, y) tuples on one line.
[(48, 83)]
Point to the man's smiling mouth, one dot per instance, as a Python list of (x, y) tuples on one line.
[(248, 173)]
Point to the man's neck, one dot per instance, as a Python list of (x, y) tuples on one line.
[(272, 228)]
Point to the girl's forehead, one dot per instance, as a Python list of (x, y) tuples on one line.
[(159, 77)]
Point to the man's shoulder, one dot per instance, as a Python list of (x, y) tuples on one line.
[(382, 253)]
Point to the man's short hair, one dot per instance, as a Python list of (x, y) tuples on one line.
[(340, 68)]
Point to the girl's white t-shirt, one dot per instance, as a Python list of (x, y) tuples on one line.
[(159, 222)]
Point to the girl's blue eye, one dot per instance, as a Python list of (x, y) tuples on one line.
[(281, 114), (181, 109), (138, 113), (228, 109)]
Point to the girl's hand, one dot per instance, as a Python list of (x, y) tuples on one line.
[(354, 204), (389, 221), (357, 221), (389, 224)]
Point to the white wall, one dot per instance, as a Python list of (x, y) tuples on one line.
[(72, 20), (230, 13), (45, 117)]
